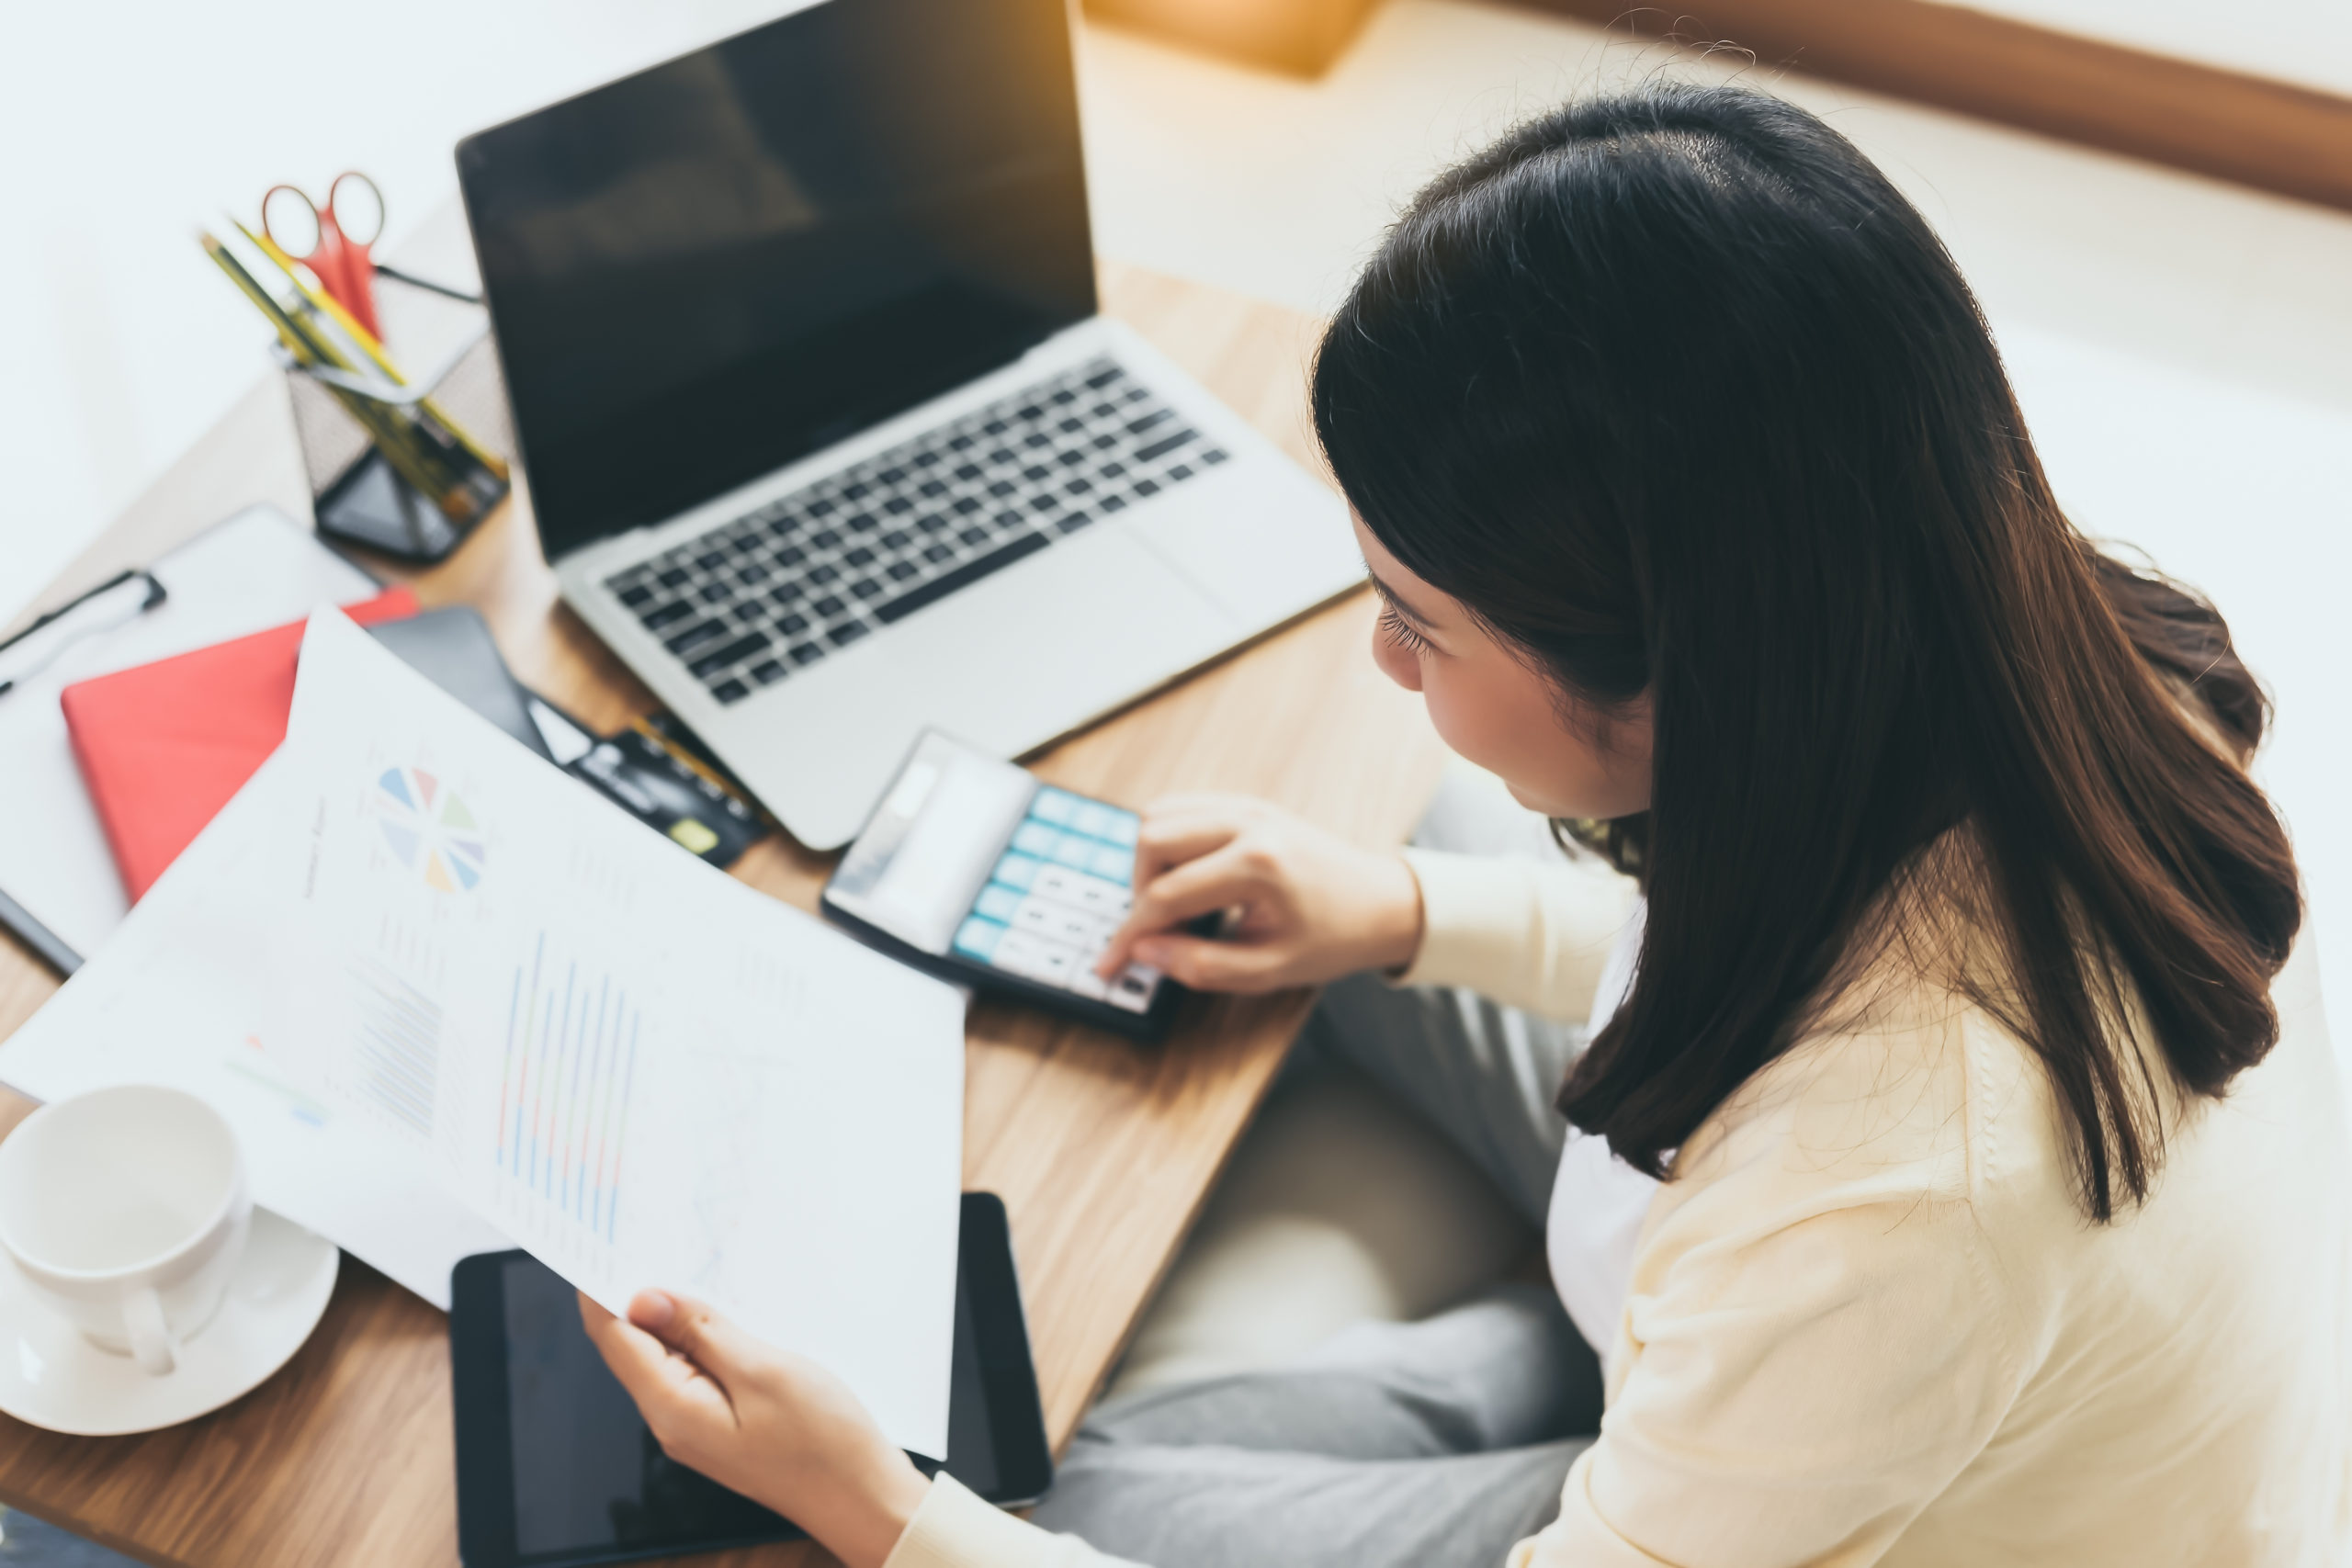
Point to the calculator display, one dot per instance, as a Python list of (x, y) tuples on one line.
[(975, 861)]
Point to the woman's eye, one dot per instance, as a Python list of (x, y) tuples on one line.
[(1395, 628)]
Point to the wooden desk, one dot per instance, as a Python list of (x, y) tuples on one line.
[(1102, 1150)]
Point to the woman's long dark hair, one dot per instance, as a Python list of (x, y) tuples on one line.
[(1677, 394)]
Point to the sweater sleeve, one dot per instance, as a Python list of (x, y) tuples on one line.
[(953, 1529), (1530, 934)]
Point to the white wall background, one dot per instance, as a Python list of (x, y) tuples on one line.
[(2309, 41), (124, 125)]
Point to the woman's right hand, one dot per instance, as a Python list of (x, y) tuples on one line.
[(1310, 906)]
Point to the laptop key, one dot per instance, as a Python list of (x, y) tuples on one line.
[(767, 673), (731, 690), (828, 607), (654, 620), (859, 556), (866, 588), (903, 569), (675, 577), (1160, 449), (634, 597), (1137, 428), (792, 625), (700, 632), (716, 592), (938, 553), (714, 561), (972, 571), (842, 636), (735, 652), (1213, 455)]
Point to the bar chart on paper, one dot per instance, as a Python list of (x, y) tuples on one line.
[(572, 1038)]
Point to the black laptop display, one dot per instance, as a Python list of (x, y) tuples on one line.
[(708, 269)]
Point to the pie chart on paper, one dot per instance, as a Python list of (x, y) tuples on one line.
[(429, 829)]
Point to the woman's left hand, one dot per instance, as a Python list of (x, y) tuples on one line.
[(777, 1427)]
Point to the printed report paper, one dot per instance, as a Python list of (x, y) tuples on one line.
[(641, 1069), (184, 993)]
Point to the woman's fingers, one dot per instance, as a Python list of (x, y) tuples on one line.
[(1173, 842), (1197, 887), (694, 1329), (654, 1378), (1207, 965)]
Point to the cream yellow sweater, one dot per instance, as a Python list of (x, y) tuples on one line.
[(1870, 1324)]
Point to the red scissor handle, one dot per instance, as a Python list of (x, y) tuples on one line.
[(344, 268)]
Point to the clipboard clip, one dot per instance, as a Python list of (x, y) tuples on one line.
[(112, 604)]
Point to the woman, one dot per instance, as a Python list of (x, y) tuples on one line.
[(1960, 1178)]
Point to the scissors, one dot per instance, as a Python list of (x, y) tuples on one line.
[(333, 240)]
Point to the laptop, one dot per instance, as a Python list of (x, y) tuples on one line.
[(822, 429)]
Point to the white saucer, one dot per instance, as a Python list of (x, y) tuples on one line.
[(52, 1377)]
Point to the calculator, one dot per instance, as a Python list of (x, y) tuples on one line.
[(977, 870)]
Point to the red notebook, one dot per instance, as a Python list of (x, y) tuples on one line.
[(163, 745)]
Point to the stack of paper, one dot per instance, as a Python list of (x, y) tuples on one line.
[(449, 994)]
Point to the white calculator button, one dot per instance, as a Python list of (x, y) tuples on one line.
[(1034, 958), (1131, 992), (1106, 900), (1085, 982), (1059, 922)]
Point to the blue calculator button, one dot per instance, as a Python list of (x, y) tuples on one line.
[(1017, 870), (1121, 828), (1115, 865), (1037, 838), (1073, 851), (978, 939), (1093, 819), (997, 902), (1055, 805)]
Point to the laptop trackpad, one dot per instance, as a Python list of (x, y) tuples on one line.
[(1008, 664)]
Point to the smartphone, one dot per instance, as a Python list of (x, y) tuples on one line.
[(978, 871)]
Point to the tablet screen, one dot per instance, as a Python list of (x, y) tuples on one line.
[(587, 1471), (556, 1468)]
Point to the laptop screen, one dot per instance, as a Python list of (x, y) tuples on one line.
[(704, 271)]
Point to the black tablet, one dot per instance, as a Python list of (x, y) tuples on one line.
[(555, 1468)]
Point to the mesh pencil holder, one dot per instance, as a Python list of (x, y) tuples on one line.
[(436, 461)]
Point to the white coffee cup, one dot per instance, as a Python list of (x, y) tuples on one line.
[(126, 1209)]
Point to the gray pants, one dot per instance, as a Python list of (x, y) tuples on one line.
[(1428, 1443)]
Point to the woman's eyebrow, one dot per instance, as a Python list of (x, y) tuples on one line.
[(1397, 602)]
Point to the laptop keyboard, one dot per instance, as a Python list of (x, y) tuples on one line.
[(748, 602)]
